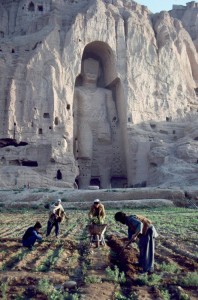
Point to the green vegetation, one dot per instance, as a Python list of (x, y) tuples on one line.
[(165, 294), (71, 257), (45, 287), (4, 288), (14, 259), (120, 296), (115, 275), (92, 279), (50, 259), (145, 279), (170, 268), (191, 279)]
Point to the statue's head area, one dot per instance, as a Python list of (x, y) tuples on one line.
[(90, 69)]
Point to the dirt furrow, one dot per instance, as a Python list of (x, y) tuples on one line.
[(38, 256), (32, 256), (174, 247), (26, 283), (12, 258), (185, 262), (9, 243), (71, 230), (62, 264), (4, 230), (14, 231)]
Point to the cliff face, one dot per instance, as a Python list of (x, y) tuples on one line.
[(188, 15), (149, 63)]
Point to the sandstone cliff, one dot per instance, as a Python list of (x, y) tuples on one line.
[(148, 61)]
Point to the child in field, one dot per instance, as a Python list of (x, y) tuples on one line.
[(31, 235)]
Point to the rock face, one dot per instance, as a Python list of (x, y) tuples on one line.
[(133, 122), (188, 15)]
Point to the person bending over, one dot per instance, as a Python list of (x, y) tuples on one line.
[(97, 212), (31, 235), (139, 227)]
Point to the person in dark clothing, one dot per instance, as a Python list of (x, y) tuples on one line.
[(142, 228), (31, 235)]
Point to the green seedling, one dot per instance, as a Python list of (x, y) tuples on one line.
[(92, 279), (165, 294), (170, 268), (4, 288), (191, 279), (115, 275)]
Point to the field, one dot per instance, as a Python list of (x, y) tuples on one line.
[(100, 273)]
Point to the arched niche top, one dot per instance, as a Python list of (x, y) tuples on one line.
[(103, 52), (31, 6)]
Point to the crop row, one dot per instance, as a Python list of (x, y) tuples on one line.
[(57, 260)]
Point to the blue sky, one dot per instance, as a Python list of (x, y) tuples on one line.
[(158, 5)]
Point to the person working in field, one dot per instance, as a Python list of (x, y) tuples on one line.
[(139, 227), (97, 227), (97, 212), (56, 216), (31, 235)]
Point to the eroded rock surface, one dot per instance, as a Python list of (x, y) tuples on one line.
[(148, 64)]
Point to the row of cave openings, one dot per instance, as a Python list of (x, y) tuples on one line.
[(32, 7), (40, 130), (47, 116)]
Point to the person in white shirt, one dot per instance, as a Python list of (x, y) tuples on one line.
[(56, 216)]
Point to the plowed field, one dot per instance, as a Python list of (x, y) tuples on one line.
[(44, 272)]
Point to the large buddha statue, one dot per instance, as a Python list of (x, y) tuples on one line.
[(94, 116)]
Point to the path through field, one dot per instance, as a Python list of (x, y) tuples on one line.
[(44, 272)]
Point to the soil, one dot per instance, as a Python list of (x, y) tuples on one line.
[(71, 257), (127, 262), (98, 291)]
